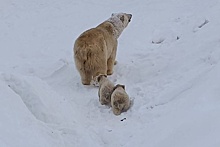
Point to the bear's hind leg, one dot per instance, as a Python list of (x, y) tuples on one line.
[(85, 78), (100, 71)]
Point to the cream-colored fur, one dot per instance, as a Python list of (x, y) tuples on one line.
[(95, 49), (120, 101), (105, 90)]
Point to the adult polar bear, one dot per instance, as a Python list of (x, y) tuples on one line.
[(95, 49)]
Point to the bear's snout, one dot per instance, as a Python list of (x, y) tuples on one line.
[(129, 17)]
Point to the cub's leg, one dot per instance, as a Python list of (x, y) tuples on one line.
[(127, 106), (116, 111)]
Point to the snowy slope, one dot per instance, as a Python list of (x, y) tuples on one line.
[(168, 58)]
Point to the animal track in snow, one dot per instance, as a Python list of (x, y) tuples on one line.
[(198, 27), (203, 24), (30, 97)]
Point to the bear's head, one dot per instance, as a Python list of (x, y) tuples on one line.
[(123, 17), (120, 21)]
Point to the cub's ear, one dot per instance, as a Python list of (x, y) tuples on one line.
[(99, 78), (122, 18), (119, 85), (123, 86)]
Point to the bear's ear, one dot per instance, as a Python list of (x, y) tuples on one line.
[(122, 18), (123, 86)]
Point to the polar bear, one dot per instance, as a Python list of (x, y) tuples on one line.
[(120, 101), (95, 49), (105, 90)]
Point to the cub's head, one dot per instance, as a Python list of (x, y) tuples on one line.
[(123, 17), (119, 86)]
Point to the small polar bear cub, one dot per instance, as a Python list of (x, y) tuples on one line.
[(105, 89), (120, 101)]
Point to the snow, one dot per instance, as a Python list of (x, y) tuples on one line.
[(168, 58)]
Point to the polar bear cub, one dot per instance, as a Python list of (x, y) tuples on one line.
[(120, 101), (105, 90), (95, 49)]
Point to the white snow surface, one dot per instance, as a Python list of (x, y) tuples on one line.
[(168, 58)]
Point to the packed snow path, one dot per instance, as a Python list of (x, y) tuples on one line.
[(168, 58)]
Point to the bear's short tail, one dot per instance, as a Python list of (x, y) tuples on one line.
[(84, 55)]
